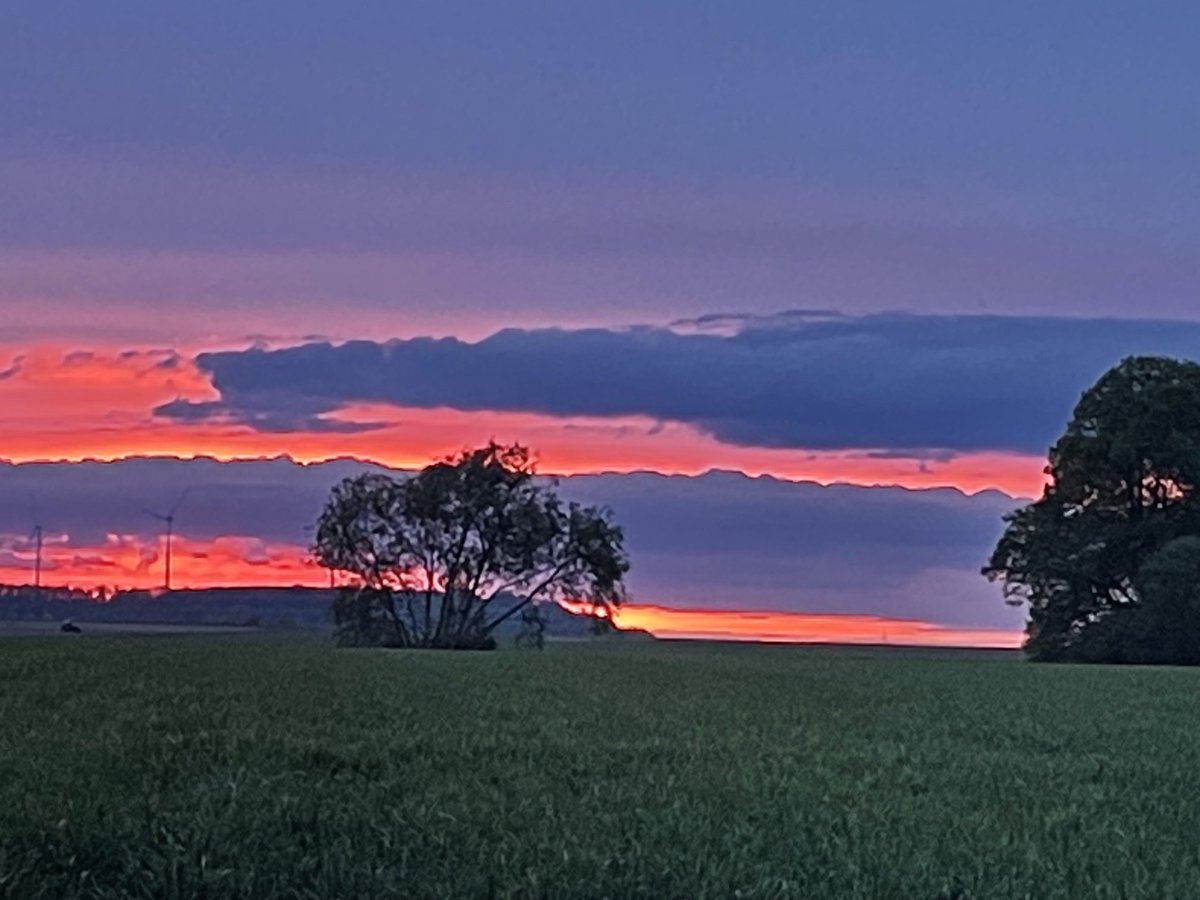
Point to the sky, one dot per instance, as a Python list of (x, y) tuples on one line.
[(815, 269)]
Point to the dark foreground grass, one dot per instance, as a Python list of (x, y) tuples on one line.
[(231, 767)]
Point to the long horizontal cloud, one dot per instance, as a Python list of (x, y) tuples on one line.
[(884, 382), (720, 540)]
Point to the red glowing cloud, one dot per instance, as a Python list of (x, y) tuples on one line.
[(128, 561), (56, 404)]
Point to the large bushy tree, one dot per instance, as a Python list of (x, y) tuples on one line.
[(441, 558), (1098, 557)]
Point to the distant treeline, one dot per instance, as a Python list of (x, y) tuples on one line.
[(297, 607), (266, 607)]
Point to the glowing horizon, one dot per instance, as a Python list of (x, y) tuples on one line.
[(786, 626), (129, 562)]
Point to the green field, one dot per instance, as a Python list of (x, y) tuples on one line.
[(238, 766)]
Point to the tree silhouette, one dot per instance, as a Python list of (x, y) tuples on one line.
[(1122, 487), (442, 558)]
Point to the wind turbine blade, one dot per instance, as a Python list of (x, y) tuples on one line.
[(179, 501)]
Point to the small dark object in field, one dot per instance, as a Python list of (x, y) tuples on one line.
[(69, 627)]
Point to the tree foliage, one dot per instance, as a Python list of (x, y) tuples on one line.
[(442, 558), (1166, 625), (1095, 556)]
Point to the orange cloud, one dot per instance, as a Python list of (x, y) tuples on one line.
[(62, 405), (803, 627), (129, 561)]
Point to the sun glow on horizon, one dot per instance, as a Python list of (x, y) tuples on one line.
[(124, 561), (789, 626)]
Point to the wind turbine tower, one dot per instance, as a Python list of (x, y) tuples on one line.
[(36, 534), (169, 519)]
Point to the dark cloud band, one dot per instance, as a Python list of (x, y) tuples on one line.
[(886, 382)]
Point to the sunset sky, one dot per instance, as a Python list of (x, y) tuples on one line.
[(803, 291)]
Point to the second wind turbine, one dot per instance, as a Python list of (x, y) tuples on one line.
[(169, 519)]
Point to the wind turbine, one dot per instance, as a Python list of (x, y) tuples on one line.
[(36, 537), (169, 518)]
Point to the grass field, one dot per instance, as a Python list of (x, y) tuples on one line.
[(208, 766)]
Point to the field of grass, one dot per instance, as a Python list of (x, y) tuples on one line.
[(206, 766)]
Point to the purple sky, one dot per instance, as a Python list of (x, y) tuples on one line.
[(454, 168)]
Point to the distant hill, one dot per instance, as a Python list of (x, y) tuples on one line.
[(266, 607)]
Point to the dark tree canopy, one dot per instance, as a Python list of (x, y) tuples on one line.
[(1166, 625), (1102, 556), (440, 559)]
